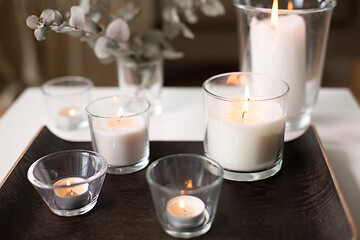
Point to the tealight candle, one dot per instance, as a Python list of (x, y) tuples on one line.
[(71, 197), (70, 117), (122, 141), (185, 211)]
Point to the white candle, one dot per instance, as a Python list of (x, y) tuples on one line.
[(185, 211), (245, 139), (122, 141), (278, 48), (70, 117), (71, 197)]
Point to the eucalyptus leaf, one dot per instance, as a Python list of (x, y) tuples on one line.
[(47, 17), (153, 36), (100, 48), (63, 29), (32, 22), (190, 16), (59, 19), (186, 32), (90, 26), (85, 5), (184, 4), (129, 12), (212, 8), (77, 17), (171, 54), (118, 30), (170, 31), (170, 14), (40, 33)]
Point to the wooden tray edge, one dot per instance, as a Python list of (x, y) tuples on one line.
[(21, 155), (337, 187)]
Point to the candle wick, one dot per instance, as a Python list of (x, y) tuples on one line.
[(243, 114), (71, 193)]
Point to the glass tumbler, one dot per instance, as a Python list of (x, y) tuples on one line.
[(119, 132), (66, 98), (289, 43), (185, 189), (69, 181), (245, 116)]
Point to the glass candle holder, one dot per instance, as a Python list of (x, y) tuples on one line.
[(245, 115), (119, 132), (142, 79), (69, 181), (66, 99), (185, 190), (289, 43)]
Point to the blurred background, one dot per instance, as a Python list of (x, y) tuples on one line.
[(26, 62)]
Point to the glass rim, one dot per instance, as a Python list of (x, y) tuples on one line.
[(88, 85), (147, 108), (36, 182), (216, 182), (141, 64), (329, 6), (228, 99)]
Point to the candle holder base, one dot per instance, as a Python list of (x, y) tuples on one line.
[(189, 233), (75, 212), (252, 176), (128, 169), (299, 122)]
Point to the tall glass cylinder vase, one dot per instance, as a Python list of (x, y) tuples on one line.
[(288, 43), (142, 79)]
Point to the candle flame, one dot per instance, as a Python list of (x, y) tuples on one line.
[(275, 13), (182, 204), (236, 79), (120, 112), (68, 183), (189, 184), (290, 5), (72, 112)]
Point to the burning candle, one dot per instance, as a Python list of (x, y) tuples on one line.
[(185, 211), (70, 117), (245, 135), (71, 197), (121, 140), (278, 48)]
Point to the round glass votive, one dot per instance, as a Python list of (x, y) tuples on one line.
[(66, 98), (69, 181), (245, 115), (119, 132), (290, 44), (185, 189)]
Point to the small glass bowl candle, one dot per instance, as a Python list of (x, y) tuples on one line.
[(69, 181), (245, 117), (119, 132), (66, 98), (185, 189)]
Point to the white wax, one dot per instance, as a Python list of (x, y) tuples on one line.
[(185, 211), (71, 197), (122, 145), (281, 51), (248, 145), (69, 117)]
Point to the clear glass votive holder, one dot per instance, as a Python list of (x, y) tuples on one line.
[(119, 132), (289, 44), (143, 79), (69, 181), (66, 98), (185, 189), (245, 115)]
